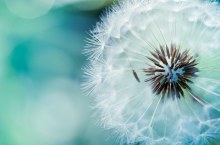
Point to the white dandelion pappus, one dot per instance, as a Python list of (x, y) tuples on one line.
[(154, 71)]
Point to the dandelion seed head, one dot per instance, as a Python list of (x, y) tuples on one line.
[(144, 52)]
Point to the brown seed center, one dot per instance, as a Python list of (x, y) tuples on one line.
[(171, 72)]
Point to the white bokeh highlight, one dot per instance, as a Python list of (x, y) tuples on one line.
[(29, 9)]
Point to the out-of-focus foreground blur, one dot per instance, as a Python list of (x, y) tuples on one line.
[(41, 102)]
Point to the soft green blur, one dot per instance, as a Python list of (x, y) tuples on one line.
[(41, 102)]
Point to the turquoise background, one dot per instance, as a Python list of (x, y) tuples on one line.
[(41, 45)]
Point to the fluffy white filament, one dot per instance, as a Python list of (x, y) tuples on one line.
[(119, 45)]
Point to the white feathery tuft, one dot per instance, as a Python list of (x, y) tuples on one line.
[(117, 51)]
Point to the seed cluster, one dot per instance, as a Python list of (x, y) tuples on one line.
[(171, 71)]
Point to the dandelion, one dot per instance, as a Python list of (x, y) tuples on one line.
[(154, 71)]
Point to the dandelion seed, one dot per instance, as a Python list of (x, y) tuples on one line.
[(154, 71)]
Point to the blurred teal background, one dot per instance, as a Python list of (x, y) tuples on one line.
[(41, 102)]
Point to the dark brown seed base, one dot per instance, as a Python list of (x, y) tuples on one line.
[(171, 71)]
